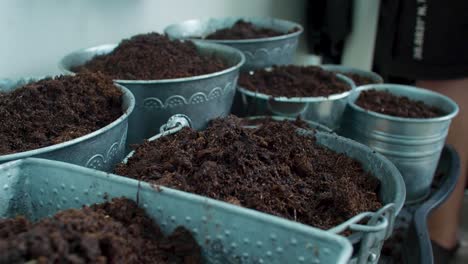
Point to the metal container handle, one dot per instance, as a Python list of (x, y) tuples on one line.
[(176, 121), (173, 125), (352, 224)]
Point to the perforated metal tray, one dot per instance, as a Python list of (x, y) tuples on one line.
[(39, 188)]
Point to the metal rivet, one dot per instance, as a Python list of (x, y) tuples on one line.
[(301, 259), (246, 241), (5, 187), (259, 244), (372, 257), (269, 253), (293, 241), (227, 232), (145, 206), (279, 250), (273, 237), (233, 245), (173, 218), (188, 219)]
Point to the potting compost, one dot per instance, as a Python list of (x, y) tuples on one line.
[(112, 232), (401, 106), (358, 79), (293, 81), (153, 57), (245, 30), (298, 122), (52, 111), (271, 168)]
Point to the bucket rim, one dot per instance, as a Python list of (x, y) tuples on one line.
[(34, 152), (198, 43), (417, 90), (300, 30), (284, 99), (347, 69)]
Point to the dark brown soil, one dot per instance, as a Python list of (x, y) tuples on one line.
[(358, 79), (298, 122), (246, 30), (272, 169), (52, 111), (153, 57), (401, 106), (113, 232), (294, 81)]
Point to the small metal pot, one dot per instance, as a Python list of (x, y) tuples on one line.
[(345, 69), (202, 97), (259, 52), (324, 110), (412, 144), (100, 150)]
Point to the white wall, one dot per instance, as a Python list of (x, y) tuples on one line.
[(35, 34)]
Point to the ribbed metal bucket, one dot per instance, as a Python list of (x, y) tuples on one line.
[(100, 150), (39, 188), (311, 124), (202, 97), (368, 238), (413, 145), (346, 69), (260, 52), (324, 110)]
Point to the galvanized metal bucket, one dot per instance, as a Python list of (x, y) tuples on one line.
[(368, 238), (100, 150), (345, 69), (202, 97), (39, 188), (413, 145), (311, 124), (324, 110), (260, 52)]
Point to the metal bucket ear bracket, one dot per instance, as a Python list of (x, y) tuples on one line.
[(375, 231)]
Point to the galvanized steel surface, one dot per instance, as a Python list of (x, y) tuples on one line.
[(201, 98), (101, 149), (379, 225), (346, 69), (324, 110), (259, 52), (226, 233), (412, 144)]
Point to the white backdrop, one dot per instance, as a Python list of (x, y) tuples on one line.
[(35, 34)]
